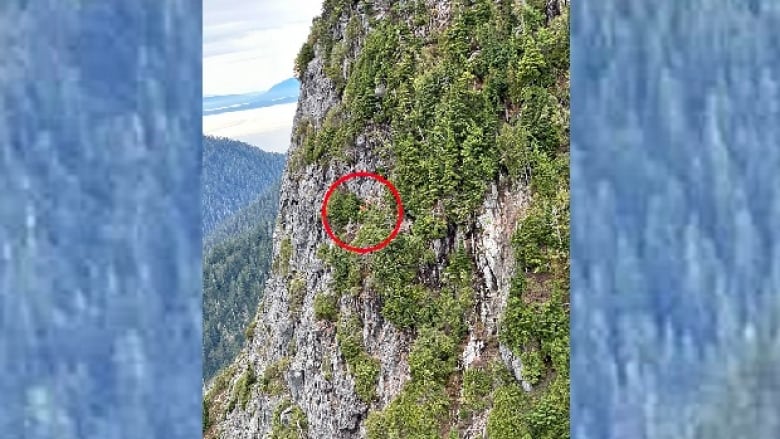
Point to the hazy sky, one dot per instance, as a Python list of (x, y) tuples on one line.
[(267, 128), (250, 45)]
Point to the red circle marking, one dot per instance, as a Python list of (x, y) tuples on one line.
[(399, 219)]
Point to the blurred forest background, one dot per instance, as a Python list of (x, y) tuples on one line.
[(675, 207), (100, 261)]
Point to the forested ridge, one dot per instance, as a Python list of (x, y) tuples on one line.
[(234, 175), (241, 193), (261, 210), (234, 274)]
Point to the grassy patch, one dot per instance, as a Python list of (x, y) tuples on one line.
[(272, 382), (418, 412), (297, 293), (326, 307), (289, 422), (363, 367), (242, 389)]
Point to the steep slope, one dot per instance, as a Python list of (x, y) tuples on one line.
[(234, 272), (460, 327), (237, 241), (234, 175), (260, 211)]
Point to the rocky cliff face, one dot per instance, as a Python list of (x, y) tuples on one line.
[(418, 343)]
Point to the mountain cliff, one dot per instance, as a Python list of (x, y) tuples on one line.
[(459, 328)]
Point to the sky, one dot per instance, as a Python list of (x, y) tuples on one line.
[(250, 45), (268, 128)]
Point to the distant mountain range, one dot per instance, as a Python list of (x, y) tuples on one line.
[(284, 92)]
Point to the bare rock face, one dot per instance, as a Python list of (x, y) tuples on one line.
[(293, 364)]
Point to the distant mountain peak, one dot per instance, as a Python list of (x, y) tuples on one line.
[(289, 84), (284, 92)]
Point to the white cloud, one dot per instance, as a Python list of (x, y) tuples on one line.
[(250, 45), (268, 128)]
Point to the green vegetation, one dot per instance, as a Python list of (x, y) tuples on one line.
[(421, 410), (249, 332), (481, 102), (361, 222), (272, 382), (536, 321), (297, 293), (448, 108), (395, 271), (219, 384), (289, 422), (334, 67), (376, 220), (433, 356), (207, 421), (234, 275), (363, 367), (354, 28), (409, 304), (282, 261), (327, 367), (506, 419), (543, 415), (343, 207), (303, 59), (334, 50), (326, 307), (345, 268), (260, 211), (477, 387), (219, 387), (542, 238), (235, 176), (331, 138), (242, 389), (416, 413)]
